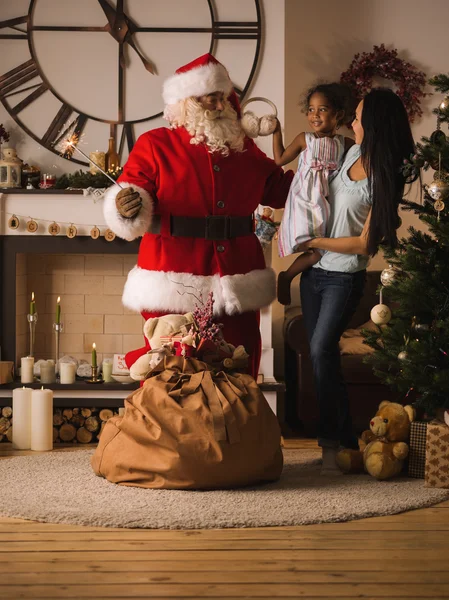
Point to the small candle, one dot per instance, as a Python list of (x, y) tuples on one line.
[(94, 355), (48, 372), (27, 369), (21, 411), (67, 372), (32, 304), (58, 311), (107, 370), (41, 420)]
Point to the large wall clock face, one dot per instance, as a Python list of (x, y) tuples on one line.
[(94, 66)]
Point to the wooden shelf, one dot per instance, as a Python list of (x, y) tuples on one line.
[(78, 385)]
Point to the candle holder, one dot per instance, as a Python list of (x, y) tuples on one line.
[(32, 320), (58, 328), (95, 377)]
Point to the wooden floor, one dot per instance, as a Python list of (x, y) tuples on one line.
[(401, 556)]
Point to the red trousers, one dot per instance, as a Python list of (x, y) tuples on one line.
[(238, 330)]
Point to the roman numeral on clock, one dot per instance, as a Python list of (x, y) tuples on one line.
[(12, 24), (59, 129), (128, 135), (14, 82)]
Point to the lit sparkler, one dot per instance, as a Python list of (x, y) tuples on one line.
[(70, 144)]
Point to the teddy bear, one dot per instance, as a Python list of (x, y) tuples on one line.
[(155, 329), (384, 446)]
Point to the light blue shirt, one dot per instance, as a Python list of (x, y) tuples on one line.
[(350, 203)]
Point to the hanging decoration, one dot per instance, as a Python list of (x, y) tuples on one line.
[(409, 81), (95, 233), (71, 231), (389, 275), (54, 228), (14, 222), (32, 226), (109, 235)]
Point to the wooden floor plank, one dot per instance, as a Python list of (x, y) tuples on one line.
[(398, 556)]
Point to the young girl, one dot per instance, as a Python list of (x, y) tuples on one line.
[(320, 152)]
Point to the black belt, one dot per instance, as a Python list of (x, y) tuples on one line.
[(213, 227)]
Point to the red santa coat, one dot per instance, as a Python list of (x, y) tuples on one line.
[(175, 177)]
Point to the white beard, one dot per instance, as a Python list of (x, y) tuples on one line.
[(221, 131)]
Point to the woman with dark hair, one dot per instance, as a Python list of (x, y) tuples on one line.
[(364, 197)]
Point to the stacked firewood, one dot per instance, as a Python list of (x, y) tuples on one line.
[(70, 425), (6, 424), (80, 425)]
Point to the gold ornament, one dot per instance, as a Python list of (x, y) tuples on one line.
[(389, 275), (32, 226), (95, 233), (438, 189), (403, 355), (71, 231), (380, 314), (438, 205), (14, 222), (54, 228), (445, 104), (109, 235)]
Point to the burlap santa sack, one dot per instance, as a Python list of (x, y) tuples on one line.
[(189, 427)]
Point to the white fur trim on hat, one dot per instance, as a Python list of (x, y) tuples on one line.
[(233, 294), (128, 229), (199, 81)]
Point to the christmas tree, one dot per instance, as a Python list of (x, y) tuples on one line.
[(411, 345)]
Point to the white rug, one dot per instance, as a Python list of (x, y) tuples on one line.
[(60, 487)]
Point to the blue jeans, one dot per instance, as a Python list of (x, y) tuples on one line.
[(329, 299)]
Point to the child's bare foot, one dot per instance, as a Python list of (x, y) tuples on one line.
[(283, 291)]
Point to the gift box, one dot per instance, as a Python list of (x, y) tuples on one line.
[(417, 452), (437, 455)]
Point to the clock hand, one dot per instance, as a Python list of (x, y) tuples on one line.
[(108, 11), (146, 63)]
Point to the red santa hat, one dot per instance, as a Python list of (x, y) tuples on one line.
[(200, 77)]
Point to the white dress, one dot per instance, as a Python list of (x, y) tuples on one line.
[(307, 208)]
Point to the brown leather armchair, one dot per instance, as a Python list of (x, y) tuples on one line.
[(364, 388)]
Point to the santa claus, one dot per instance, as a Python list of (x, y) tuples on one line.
[(190, 191)]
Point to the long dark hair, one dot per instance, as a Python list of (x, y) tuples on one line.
[(387, 140)]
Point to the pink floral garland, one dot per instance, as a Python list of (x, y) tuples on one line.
[(385, 63)]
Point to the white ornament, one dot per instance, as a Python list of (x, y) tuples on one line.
[(380, 314), (446, 417)]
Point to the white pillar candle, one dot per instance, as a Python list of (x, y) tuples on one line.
[(21, 415), (107, 371), (67, 372), (41, 420), (27, 369), (48, 373)]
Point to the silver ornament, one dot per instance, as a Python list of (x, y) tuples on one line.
[(438, 190), (445, 103), (421, 327), (403, 355), (388, 275)]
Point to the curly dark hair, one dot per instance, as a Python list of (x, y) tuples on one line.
[(340, 97)]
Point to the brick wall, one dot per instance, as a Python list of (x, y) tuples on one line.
[(90, 287)]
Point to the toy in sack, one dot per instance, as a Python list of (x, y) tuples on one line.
[(266, 227)]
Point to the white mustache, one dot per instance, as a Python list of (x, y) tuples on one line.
[(212, 115)]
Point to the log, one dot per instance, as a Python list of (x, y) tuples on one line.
[(55, 434), (5, 424), (67, 432), (9, 434), (58, 419), (106, 414), (92, 424), (101, 430), (83, 435), (86, 412), (7, 412), (67, 413), (76, 411), (77, 421)]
